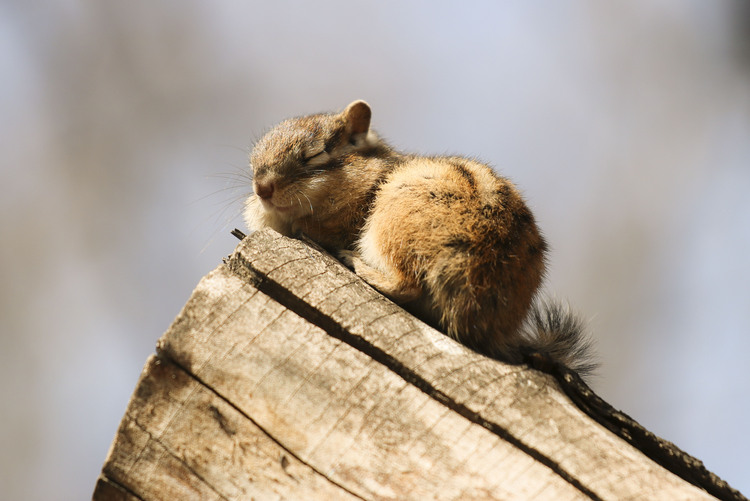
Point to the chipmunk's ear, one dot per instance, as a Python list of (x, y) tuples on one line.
[(357, 116)]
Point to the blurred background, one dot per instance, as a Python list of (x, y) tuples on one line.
[(124, 129)]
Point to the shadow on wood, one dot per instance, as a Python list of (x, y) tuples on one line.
[(287, 377)]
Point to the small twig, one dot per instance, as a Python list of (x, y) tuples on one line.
[(237, 233)]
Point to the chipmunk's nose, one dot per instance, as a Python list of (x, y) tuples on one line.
[(264, 190)]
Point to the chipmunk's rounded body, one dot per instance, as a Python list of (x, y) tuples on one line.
[(462, 241), (444, 236)]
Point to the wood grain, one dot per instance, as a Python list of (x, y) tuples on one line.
[(287, 377), (518, 403), (179, 440), (345, 414)]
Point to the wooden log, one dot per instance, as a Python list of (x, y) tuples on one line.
[(287, 377)]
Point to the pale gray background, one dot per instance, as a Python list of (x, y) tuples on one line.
[(626, 123)]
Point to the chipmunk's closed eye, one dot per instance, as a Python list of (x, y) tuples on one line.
[(310, 156), (316, 156), (314, 149)]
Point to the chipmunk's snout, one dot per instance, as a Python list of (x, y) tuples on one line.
[(264, 189)]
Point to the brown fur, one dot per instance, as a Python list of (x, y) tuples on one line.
[(445, 236)]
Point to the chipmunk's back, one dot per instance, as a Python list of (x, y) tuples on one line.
[(446, 237), (454, 228)]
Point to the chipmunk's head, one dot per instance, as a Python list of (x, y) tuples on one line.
[(291, 162)]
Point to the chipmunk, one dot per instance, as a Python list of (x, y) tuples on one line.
[(445, 237)]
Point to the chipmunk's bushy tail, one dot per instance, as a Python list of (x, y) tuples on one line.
[(554, 333)]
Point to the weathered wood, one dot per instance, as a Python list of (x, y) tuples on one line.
[(106, 489), (285, 376), (180, 440)]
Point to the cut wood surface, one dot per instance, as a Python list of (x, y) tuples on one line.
[(287, 377)]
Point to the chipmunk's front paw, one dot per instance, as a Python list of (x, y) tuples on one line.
[(349, 258)]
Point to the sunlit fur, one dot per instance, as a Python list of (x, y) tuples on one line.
[(444, 236)]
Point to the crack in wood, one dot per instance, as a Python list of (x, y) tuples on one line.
[(168, 450), (164, 355), (222, 421), (106, 480), (239, 265), (663, 452), (413, 412), (660, 451)]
